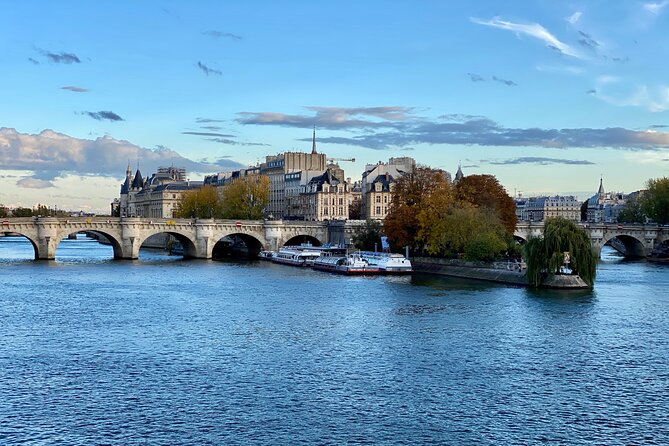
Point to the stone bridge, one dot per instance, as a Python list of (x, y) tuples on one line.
[(198, 237), (635, 240)]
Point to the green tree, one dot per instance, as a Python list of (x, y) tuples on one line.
[(463, 228), (633, 212), (484, 246), (355, 209), (204, 202), (4, 212), (368, 237), (22, 212), (545, 255), (246, 198), (486, 192), (655, 201), (584, 211)]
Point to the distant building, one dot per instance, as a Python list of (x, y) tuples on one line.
[(377, 185), (541, 208), (156, 196), (277, 166), (604, 207), (324, 197)]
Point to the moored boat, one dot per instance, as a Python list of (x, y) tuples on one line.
[(388, 263), (266, 255), (351, 264), (296, 257)]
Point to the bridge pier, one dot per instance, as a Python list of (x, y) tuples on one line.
[(47, 238), (204, 239)]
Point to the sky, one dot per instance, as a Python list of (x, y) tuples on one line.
[(548, 96)]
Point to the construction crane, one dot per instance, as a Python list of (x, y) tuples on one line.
[(332, 160)]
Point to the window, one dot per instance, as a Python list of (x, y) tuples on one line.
[(378, 198), (385, 198), (378, 210)]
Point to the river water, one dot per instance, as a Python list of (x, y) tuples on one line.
[(162, 351)]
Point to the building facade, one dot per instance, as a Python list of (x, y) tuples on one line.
[(541, 208), (604, 207), (156, 196), (277, 166), (376, 195), (324, 197)]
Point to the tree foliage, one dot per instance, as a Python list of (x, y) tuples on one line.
[(411, 191), (545, 255), (355, 209), (204, 202), (633, 212), (486, 192), (368, 237), (246, 198), (655, 201)]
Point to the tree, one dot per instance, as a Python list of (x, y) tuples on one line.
[(3, 211), (411, 190), (355, 209), (486, 192), (584, 211), (633, 212), (545, 255), (463, 228), (204, 202), (367, 237), (22, 212), (655, 200), (246, 198)]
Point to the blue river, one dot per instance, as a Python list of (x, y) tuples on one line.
[(162, 351)]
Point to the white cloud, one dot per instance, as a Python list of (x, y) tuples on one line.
[(534, 30), (647, 157), (574, 18), (655, 8), (51, 154), (652, 98), (34, 183)]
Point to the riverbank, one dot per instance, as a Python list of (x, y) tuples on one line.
[(510, 273)]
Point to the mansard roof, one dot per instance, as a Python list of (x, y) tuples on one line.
[(385, 180)]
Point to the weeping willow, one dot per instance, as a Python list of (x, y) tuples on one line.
[(545, 255)]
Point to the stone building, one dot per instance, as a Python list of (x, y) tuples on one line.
[(277, 166), (156, 196), (604, 207), (541, 208), (324, 197), (376, 185)]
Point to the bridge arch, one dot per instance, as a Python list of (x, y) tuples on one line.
[(626, 244), (302, 238), (33, 242), (188, 242), (243, 243), (108, 235)]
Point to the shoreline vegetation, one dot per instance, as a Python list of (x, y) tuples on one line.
[(472, 219)]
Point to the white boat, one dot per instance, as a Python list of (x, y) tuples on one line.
[(266, 255), (388, 263), (296, 257), (351, 264)]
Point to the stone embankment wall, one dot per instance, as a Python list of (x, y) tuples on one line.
[(502, 272)]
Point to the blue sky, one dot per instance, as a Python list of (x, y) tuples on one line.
[(547, 96)]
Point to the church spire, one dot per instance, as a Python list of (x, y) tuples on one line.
[(313, 142), (600, 192)]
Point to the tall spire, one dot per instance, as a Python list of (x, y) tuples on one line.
[(601, 186), (313, 143)]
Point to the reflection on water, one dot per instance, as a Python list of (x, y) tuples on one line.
[(164, 351)]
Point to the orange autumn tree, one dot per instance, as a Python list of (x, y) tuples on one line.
[(402, 225), (485, 192)]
